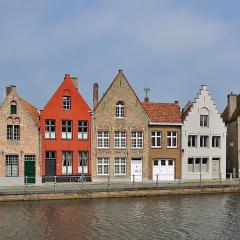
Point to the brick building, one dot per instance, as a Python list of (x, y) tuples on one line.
[(19, 140), (66, 134), (164, 160), (120, 134)]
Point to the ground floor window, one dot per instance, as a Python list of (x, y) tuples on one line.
[(83, 162), (67, 159), (12, 166), (198, 164), (120, 166), (103, 166)]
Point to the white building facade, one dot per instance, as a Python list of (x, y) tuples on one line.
[(203, 139)]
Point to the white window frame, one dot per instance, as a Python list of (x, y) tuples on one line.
[(216, 139), (66, 102), (155, 136), (83, 162), (119, 139), (103, 139), (50, 124), (12, 166), (67, 134), (204, 120), (137, 139), (83, 129), (120, 166), (204, 145), (190, 139), (203, 168), (103, 164), (68, 168), (13, 132), (120, 110), (172, 135)]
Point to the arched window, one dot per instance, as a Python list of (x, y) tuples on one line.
[(13, 108), (204, 117), (120, 109)]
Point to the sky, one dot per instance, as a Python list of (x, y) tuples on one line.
[(171, 47)]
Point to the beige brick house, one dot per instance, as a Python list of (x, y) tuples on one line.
[(19, 140), (120, 134), (165, 148)]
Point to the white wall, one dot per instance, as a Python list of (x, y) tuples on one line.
[(191, 126)]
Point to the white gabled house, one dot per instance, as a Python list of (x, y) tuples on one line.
[(203, 139)]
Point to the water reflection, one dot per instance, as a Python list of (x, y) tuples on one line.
[(174, 217)]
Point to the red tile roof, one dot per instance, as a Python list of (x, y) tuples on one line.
[(163, 112), (33, 112), (186, 110)]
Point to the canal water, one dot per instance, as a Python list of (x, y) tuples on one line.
[(215, 216)]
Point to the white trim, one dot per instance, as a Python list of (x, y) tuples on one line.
[(165, 123)]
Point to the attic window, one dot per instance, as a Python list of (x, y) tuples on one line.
[(13, 107), (120, 109), (66, 102)]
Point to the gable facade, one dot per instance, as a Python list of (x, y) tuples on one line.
[(203, 140), (66, 134), (19, 141), (120, 135)]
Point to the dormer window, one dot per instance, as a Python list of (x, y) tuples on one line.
[(120, 109), (66, 102), (13, 107)]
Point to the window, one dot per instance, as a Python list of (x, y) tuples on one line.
[(67, 163), (156, 139), (66, 129), (12, 166), (103, 166), (30, 158), (13, 132), (216, 141), (50, 129), (171, 139), (163, 162), (50, 155), (83, 162), (190, 164), (198, 165), (204, 120), (82, 130), (120, 166), (13, 107), (204, 141), (192, 140), (120, 139), (137, 139), (103, 139), (66, 102), (120, 110)]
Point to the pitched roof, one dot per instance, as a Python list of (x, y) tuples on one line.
[(225, 114), (33, 112), (163, 112), (186, 110), (235, 114)]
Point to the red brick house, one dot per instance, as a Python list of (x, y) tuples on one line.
[(66, 134)]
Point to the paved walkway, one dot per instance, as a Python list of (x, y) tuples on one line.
[(116, 186)]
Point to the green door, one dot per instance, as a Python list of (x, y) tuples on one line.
[(29, 169)]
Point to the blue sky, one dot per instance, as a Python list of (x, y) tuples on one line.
[(172, 47)]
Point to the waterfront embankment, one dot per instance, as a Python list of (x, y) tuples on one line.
[(91, 191)]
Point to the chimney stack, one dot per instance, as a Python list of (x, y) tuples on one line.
[(146, 90), (146, 99), (9, 89), (95, 95), (75, 81), (232, 103)]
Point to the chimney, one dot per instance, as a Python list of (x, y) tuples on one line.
[(9, 89), (75, 81), (232, 103), (146, 90), (95, 95), (146, 99)]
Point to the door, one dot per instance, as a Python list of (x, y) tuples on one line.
[(29, 169), (136, 170), (50, 167), (163, 170), (216, 168)]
